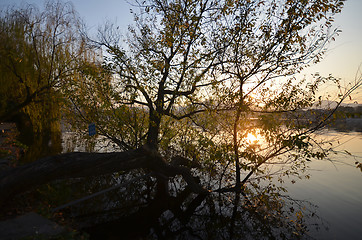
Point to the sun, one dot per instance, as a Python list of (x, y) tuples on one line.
[(251, 138)]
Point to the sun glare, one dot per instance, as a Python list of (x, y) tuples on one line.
[(251, 138)]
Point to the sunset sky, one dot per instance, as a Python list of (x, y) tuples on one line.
[(343, 58)]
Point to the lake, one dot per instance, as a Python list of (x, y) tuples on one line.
[(336, 188)]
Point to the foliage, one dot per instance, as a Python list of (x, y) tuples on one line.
[(39, 51), (196, 78), (194, 73)]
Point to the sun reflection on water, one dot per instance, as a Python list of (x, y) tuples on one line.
[(252, 138)]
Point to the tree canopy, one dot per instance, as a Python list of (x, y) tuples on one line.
[(40, 50), (186, 61)]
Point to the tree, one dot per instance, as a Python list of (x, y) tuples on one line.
[(39, 51), (187, 59), (184, 91)]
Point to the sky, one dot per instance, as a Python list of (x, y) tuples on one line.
[(342, 60)]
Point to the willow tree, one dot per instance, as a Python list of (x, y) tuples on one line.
[(39, 50), (181, 91)]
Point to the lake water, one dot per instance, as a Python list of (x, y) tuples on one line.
[(336, 188)]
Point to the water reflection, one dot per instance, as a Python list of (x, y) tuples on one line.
[(152, 209), (335, 186), (347, 125), (142, 211), (253, 138)]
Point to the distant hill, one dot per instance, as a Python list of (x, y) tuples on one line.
[(354, 105), (326, 104)]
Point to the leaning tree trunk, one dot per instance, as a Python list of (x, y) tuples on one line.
[(81, 164)]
